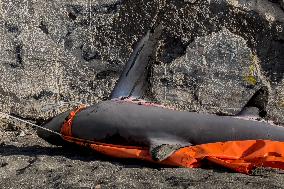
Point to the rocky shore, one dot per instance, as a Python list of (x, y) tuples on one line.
[(212, 57)]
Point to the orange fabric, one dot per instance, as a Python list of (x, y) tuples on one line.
[(66, 128), (240, 156)]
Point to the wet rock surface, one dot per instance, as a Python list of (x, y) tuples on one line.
[(213, 56)]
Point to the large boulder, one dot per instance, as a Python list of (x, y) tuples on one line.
[(213, 55), (218, 73)]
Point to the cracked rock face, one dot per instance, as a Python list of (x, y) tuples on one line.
[(217, 73), (213, 55)]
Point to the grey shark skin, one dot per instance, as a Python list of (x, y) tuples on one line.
[(119, 122)]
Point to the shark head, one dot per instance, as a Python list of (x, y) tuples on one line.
[(53, 124)]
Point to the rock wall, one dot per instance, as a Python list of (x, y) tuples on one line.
[(213, 55)]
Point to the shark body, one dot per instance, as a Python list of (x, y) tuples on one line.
[(160, 129)]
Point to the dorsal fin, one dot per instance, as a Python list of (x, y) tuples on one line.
[(133, 80), (256, 106)]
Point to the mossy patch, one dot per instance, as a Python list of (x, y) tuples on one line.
[(282, 103), (251, 78)]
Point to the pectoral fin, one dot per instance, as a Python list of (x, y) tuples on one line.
[(161, 149)]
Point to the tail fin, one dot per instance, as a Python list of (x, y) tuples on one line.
[(256, 106), (133, 81)]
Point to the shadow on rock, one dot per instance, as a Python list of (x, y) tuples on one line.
[(73, 153)]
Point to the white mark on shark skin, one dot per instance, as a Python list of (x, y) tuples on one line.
[(142, 102), (255, 118)]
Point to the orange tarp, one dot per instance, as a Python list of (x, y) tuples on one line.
[(240, 156)]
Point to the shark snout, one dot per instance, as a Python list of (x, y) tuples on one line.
[(54, 125)]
